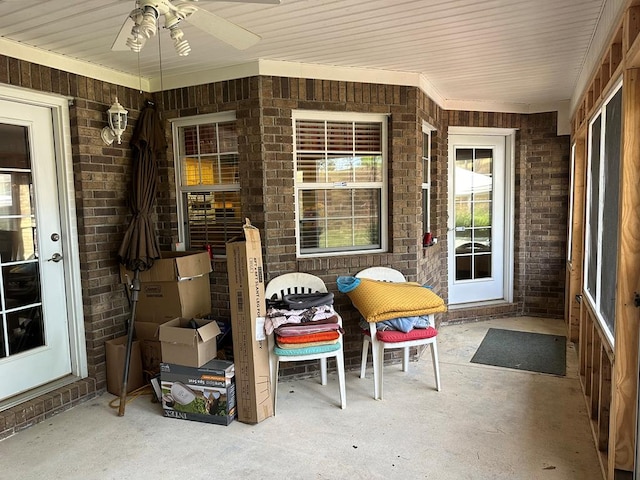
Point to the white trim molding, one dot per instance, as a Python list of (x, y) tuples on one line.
[(274, 68)]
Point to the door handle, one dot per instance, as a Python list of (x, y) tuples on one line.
[(56, 257)]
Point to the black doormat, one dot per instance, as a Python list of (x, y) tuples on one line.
[(535, 352)]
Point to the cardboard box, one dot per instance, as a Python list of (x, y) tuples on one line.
[(205, 394), (248, 308), (183, 345), (115, 352), (148, 333), (173, 267), (176, 286)]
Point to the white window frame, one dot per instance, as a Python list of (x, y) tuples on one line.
[(572, 180), (176, 124), (595, 302), (383, 185), (427, 132)]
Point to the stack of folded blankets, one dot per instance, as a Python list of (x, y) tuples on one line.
[(303, 323)]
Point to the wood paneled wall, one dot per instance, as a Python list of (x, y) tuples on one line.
[(609, 372)]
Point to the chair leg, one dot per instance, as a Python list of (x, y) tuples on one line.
[(341, 379), (436, 364), (365, 353), (405, 359), (375, 347), (380, 361), (323, 371)]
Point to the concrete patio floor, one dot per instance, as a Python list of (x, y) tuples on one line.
[(487, 423)]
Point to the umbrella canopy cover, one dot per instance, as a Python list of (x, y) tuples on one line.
[(140, 247)]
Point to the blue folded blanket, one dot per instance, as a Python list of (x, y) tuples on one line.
[(403, 324)]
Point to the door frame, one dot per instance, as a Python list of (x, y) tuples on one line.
[(509, 135), (59, 107)]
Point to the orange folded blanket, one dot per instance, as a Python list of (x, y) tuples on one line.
[(296, 346), (312, 337)]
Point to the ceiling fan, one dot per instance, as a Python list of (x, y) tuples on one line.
[(143, 22)]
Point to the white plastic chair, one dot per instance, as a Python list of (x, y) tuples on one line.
[(292, 283), (378, 347)]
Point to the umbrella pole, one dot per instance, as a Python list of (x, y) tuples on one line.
[(135, 290)]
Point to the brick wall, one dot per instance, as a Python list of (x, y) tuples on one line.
[(239, 96), (541, 203), (101, 176), (263, 106), (545, 179), (433, 260), (282, 95)]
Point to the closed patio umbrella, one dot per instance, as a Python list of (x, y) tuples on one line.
[(140, 247)]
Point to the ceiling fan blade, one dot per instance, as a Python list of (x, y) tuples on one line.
[(269, 2), (228, 32), (120, 43)]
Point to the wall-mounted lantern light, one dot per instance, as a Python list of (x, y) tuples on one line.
[(117, 117)]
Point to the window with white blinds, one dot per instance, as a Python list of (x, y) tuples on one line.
[(206, 153), (340, 182)]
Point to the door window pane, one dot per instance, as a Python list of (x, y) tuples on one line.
[(473, 186), (22, 326)]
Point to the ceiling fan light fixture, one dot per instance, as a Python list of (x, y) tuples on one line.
[(144, 21), (136, 41), (149, 23), (181, 45)]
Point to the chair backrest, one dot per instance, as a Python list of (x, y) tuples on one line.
[(385, 274), (290, 283)]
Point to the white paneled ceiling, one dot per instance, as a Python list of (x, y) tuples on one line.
[(525, 52)]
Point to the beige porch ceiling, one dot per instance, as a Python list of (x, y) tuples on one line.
[(501, 55)]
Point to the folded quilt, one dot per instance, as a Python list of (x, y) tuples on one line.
[(377, 301), (306, 329), (312, 350), (314, 337), (293, 346), (276, 316)]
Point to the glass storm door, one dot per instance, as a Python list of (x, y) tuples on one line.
[(477, 219), (34, 338)]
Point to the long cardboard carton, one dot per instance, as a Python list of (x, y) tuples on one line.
[(248, 308)]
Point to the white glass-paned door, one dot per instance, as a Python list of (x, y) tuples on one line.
[(34, 336), (476, 237)]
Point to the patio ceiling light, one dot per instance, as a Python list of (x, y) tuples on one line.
[(117, 117)]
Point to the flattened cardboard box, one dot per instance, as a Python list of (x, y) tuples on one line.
[(189, 346), (177, 285), (115, 352), (204, 394), (248, 308)]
